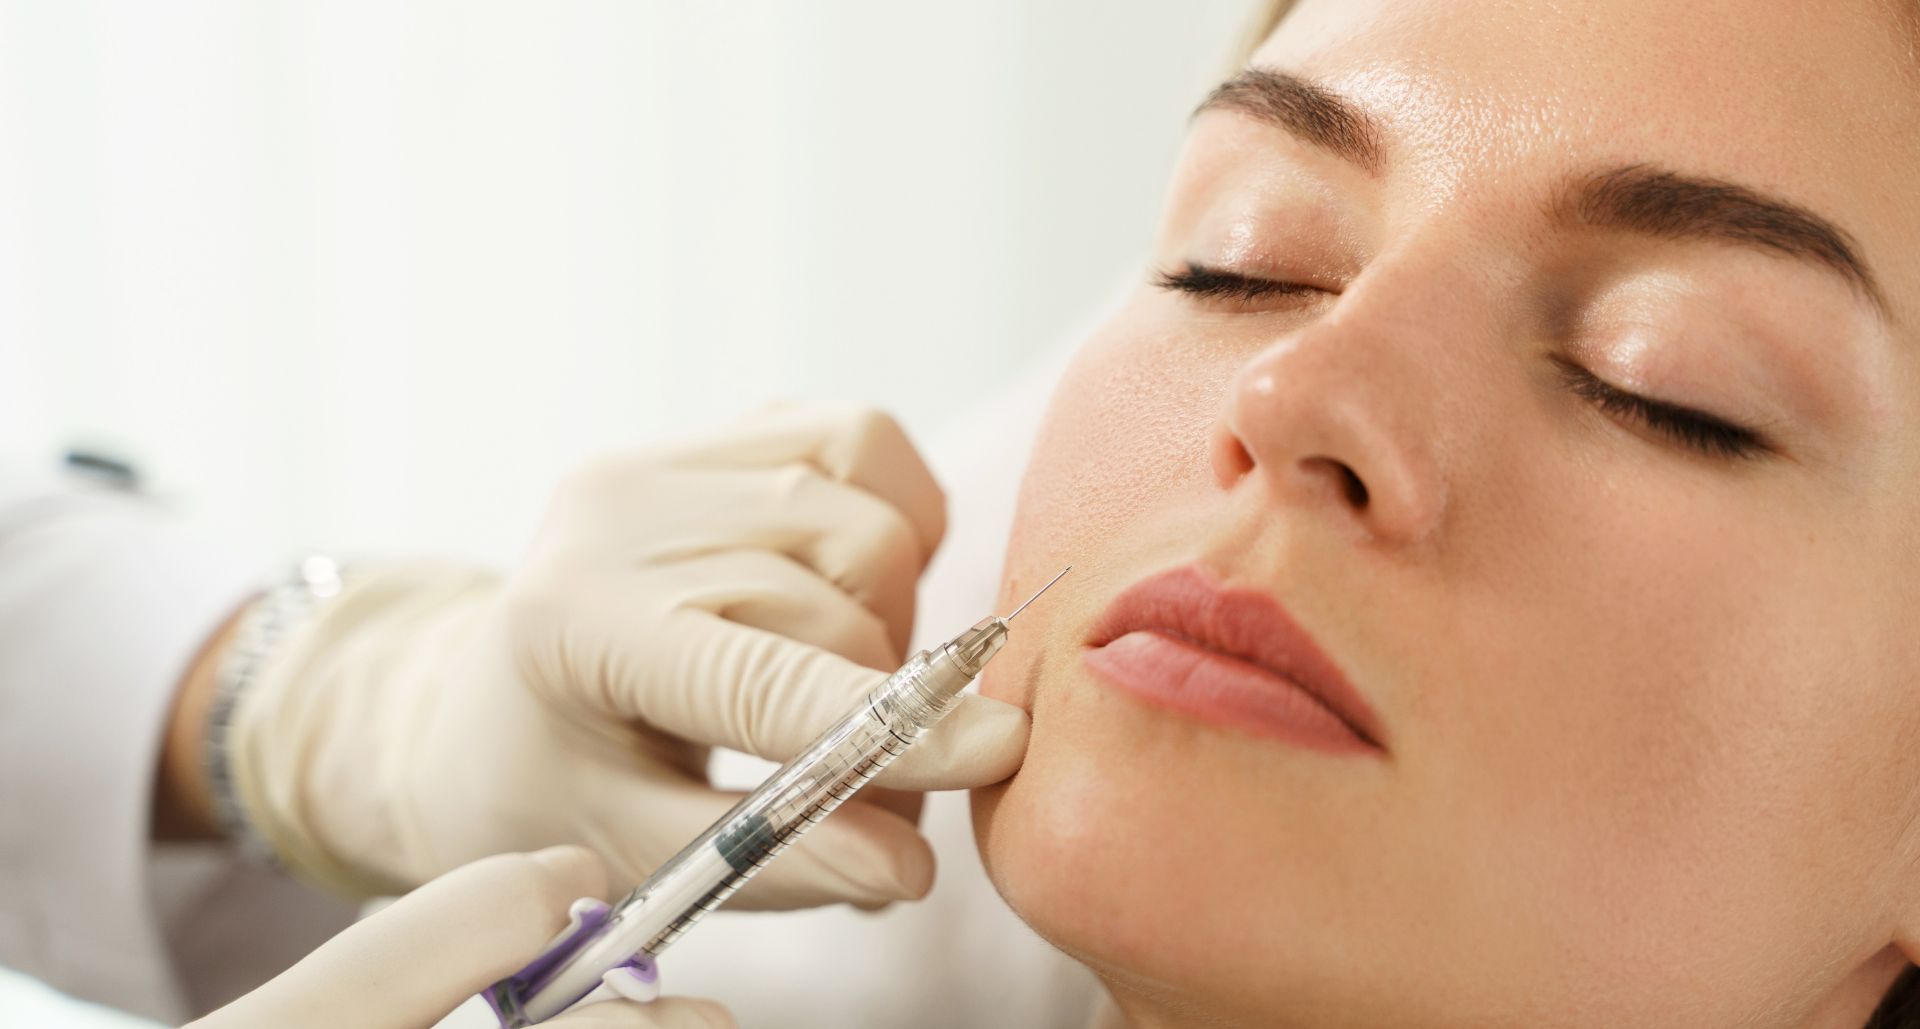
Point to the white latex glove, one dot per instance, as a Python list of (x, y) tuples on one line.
[(412, 963), (740, 591)]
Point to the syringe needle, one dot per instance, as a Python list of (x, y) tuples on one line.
[(1036, 596)]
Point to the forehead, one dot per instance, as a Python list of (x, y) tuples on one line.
[(1484, 100)]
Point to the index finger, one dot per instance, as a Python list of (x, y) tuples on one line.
[(861, 447)]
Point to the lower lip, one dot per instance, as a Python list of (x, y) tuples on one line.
[(1180, 675)]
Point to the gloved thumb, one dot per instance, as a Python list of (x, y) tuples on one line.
[(409, 965)]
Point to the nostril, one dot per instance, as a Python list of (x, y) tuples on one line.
[(1337, 474), (1356, 490), (1231, 461)]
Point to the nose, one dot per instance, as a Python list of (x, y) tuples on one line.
[(1333, 420)]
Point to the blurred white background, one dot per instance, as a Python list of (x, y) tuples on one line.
[(369, 276)]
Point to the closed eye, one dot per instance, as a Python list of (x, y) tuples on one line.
[(1204, 281), (1697, 430)]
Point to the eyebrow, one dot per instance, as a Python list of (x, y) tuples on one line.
[(1312, 112), (1636, 197), (1656, 202)]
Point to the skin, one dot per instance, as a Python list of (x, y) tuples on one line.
[(183, 806), (1650, 713)]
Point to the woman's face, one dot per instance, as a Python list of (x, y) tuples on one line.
[(1551, 367)]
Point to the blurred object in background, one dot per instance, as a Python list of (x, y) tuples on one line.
[(371, 275)]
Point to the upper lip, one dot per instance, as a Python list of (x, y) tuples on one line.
[(1247, 624)]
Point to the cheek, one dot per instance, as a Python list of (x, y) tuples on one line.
[(1657, 694), (1128, 425), (1126, 432)]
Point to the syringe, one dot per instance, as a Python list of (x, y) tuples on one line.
[(604, 943)]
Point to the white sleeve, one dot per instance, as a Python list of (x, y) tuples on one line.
[(31, 1002), (104, 601)]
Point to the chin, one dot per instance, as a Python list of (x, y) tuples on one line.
[(1153, 881)]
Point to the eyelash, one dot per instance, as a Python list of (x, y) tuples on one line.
[(1696, 430), (1201, 280)]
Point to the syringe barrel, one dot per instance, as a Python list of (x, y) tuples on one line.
[(797, 796), (800, 794)]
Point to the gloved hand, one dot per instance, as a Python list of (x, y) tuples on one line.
[(741, 591), (412, 963)]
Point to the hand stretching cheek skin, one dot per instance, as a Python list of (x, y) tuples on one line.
[(1646, 703)]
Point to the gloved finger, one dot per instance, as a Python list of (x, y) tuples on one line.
[(905, 803), (859, 854), (707, 679), (855, 541), (416, 960), (665, 1013), (863, 448), (981, 741), (871, 552), (772, 592), (609, 669)]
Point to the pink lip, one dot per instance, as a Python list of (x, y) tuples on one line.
[(1233, 657)]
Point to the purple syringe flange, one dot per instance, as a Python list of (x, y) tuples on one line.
[(585, 919)]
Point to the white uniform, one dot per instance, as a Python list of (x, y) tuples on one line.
[(103, 604)]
